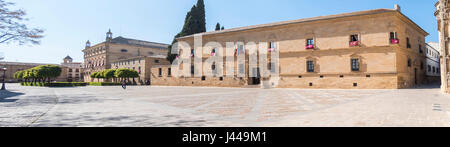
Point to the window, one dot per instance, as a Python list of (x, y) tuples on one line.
[(213, 52), (421, 65), (192, 70), (354, 38), (240, 50), (434, 69), (151, 53), (221, 78), (420, 49), (393, 35), (310, 41), (355, 64), (409, 63), (203, 78), (156, 61), (272, 46), (438, 70), (169, 72), (77, 70), (213, 68), (70, 70), (123, 50), (241, 69), (429, 68), (160, 72), (341, 76), (310, 66), (408, 44), (272, 67), (355, 84)]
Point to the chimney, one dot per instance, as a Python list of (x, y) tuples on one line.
[(397, 8)]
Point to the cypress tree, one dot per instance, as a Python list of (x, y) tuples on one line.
[(195, 22), (218, 27)]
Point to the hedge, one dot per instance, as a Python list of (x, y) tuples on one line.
[(104, 84), (56, 84)]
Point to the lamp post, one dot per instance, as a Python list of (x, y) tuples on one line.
[(4, 76)]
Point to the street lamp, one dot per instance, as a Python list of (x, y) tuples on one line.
[(4, 76)]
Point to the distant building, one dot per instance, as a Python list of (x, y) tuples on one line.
[(100, 56), (70, 71), (142, 65), (74, 70), (433, 65), (13, 67)]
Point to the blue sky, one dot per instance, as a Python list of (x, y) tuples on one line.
[(70, 23)]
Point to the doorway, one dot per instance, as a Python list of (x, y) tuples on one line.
[(256, 80)]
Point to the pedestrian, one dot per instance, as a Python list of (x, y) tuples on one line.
[(124, 85)]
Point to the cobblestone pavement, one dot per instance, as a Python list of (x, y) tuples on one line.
[(198, 107)]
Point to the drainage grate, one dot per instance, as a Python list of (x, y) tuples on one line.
[(437, 107)]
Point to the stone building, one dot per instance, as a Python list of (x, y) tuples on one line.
[(374, 49), (442, 16), (433, 65), (13, 67), (74, 70), (142, 65), (100, 56)]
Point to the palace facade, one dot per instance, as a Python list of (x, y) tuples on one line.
[(374, 49), (442, 15), (100, 56)]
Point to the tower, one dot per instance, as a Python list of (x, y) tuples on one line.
[(88, 44), (109, 35), (68, 59)]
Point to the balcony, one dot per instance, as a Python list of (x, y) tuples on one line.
[(309, 47), (354, 43), (395, 41)]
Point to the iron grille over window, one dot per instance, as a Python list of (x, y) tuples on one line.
[(355, 64), (310, 66)]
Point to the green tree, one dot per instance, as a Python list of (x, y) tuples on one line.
[(223, 28), (93, 75), (195, 22), (19, 75), (218, 27), (109, 73)]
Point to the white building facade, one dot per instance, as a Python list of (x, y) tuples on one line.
[(433, 66)]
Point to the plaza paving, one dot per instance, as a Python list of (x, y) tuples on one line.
[(218, 107)]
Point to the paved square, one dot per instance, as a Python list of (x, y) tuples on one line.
[(198, 107)]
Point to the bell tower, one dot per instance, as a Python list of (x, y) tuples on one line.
[(88, 44), (109, 35)]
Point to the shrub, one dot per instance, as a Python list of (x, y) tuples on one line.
[(104, 84), (56, 84)]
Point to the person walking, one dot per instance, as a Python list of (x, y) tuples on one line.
[(124, 84)]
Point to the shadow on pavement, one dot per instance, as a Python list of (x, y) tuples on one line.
[(7, 94)]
